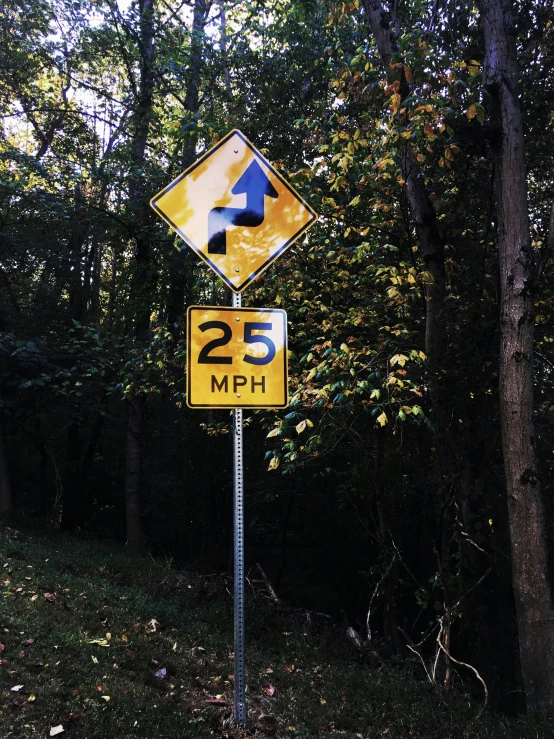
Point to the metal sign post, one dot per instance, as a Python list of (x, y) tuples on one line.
[(239, 214), (238, 493)]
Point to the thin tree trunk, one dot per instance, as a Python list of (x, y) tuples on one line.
[(179, 271), (133, 473), (6, 503), (142, 278), (421, 208), (71, 488), (518, 277)]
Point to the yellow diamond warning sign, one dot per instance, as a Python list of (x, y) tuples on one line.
[(237, 358), (234, 210)]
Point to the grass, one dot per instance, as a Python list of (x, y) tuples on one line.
[(85, 628)]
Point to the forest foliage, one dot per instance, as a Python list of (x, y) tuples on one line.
[(384, 494)]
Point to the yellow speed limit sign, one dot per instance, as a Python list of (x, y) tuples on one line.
[(236, 358)]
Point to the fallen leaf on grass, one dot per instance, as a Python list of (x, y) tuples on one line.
[(161, 673), (289, 668), (216, 701), (56, 730), (2, 647), (269, 690), (16, 688), (31, 698), (106, 698), (29, 641), (51, 597), (94, 659), (100, 642)]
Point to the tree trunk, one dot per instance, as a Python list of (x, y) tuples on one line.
[(133, 474), (179, 269), (421, 208), (72, 515), (142, 278), (6, 503), (518, 277)]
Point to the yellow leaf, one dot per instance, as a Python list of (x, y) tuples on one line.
[(106, 698), (273, 432), (471, 111), (375, 394), (31, 698), (309, 423), (94, 659), (406, 134), (300, 427), (275, 462), (400, 359), (382, 420)]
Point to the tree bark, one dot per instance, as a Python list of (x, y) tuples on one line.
[(421, 208), (133, 473), (518, 277), (179, 270), (142, 279), (6, 503), (71, 487)]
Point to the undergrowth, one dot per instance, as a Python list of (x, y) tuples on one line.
[(102, 645)]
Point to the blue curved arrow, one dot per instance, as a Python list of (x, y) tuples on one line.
[(255, 183)]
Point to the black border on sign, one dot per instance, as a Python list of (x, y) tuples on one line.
[(240, 310), (193, 246)]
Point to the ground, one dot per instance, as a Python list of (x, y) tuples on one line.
[(97, 644)]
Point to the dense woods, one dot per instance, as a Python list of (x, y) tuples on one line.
[(406, 490)]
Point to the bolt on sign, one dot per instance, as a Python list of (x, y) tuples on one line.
[(234, 210), (237, 357)]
